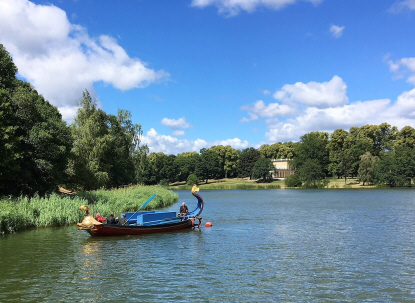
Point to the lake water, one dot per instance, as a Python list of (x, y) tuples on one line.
[(264, 246)]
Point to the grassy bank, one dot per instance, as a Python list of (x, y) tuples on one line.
[(61, 210), (239, 183)]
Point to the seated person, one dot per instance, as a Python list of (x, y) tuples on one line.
[(99, 218), (123, 219), (183, 210), (112, 220)]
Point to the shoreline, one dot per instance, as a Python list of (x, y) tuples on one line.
[(243, 183)]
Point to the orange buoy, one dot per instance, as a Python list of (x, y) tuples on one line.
[(208, 224)]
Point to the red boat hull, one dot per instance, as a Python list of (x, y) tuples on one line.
[(108, 230)]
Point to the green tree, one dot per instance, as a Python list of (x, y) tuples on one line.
[(406, 137), (106, 151), (311, 157), (286, 150), (386, 170), (186, 164), (405, 162), (125, 138), (247, 161), (262, 169), (208, 166), (45, 145), (9, 141), (143, 168), (8, 71), (92, 141), (357, 144), (192, 179), (366, 171), (34, 140), (228, 159), (340, 154), (311, 172)]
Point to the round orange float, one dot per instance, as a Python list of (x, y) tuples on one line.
[(208, 224)]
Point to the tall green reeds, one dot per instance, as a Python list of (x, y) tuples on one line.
[(61, 210)]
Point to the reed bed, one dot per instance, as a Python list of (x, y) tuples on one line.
[(58, 210)]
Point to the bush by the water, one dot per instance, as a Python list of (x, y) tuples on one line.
[(61, 210), (192, 179), (293, 181)]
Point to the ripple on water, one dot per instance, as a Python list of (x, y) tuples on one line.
[(287, 246)]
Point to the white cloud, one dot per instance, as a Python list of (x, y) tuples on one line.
[(234, 7), (321, 95), (178, 133), (337, 31), (68, 112), (325, 107), (329, 119), (176, 123), (272, 110), (400, 5), (404, 66), (235, 143), (60, 59), (404, 108), (171, 145)]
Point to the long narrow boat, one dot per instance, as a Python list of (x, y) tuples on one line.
[(146, 222)]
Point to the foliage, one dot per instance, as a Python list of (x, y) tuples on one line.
[(293, 180), (386, 171), (340, 155), (367, 168), (35, 141), (311, 173), (312, 158), (228, 159), (192, 179), (8, 70), (405, 138), (9, 141), (277, 150), (106, 148), (262, 169), (247, 161), (396, 168), (208, 166), (186, 164)]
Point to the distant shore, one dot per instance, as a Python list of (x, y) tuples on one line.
[(244, 183)]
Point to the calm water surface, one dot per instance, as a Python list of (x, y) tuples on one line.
[(264, 246)]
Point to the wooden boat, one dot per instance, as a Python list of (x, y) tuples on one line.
[(146, 222)]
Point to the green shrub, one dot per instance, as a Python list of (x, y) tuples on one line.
[(192, 179), (164, 182), (293, 181)]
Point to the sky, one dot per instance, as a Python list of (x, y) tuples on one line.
[(198, 73)]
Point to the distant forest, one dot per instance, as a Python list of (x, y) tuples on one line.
[(39, 151)]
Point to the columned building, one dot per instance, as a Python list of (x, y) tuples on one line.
[(282, 168)]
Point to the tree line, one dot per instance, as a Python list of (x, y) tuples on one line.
[(39, 151)]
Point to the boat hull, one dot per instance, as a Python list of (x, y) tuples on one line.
[(108, 230)]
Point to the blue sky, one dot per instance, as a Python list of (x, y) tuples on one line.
[(197, 73)]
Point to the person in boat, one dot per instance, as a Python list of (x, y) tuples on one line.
[(183, 210), (112, 220), (123, 219), (99, 218)]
